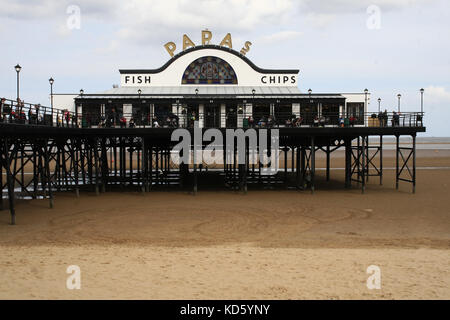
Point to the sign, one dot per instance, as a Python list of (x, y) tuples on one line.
[(206, 39)]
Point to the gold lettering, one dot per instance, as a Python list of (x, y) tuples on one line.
[(187, 42), (206, 37), (246, 47), (170, 47), (227, 41)]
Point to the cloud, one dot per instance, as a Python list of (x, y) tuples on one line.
[(436, 96), (355, 6), (147, 20), (280, 36)]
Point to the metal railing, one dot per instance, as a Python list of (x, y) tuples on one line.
[(35, 114)]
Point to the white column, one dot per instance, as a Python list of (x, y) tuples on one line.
[(248, 110), (127, 111), (201, 115), (239, 116), (296, 109), (223, 120)]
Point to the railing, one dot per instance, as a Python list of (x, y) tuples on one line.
[(34, 114)]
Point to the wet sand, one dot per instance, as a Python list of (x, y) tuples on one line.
[(274, 244)]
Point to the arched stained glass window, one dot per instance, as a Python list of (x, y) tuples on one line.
[(209, 70)]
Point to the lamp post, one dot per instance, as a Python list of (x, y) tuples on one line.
[(310, 101), (399, 96), (139, 93), (18, 68), (51, 94), (379, 105), (421, 100), (366, 92)]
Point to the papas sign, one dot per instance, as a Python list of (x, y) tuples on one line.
[(206, 39)]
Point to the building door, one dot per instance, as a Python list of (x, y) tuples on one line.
[(283, 112), (211, 116), (356, 110), (308, 111), (191, 115), (261, 112), (231, 116)]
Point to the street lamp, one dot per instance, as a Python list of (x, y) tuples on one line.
[(366, 91), (421, 101), (139, 93), (51, 94), (379, 105), (18, 68), (399, 96)]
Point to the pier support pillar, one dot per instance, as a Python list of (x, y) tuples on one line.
[(48, 179), (9, 181), (328, 162), (313, 163), (363, 164)]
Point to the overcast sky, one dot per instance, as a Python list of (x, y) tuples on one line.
[(387, 46)]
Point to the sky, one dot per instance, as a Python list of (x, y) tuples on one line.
[(386, 46)]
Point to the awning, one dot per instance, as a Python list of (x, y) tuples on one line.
[(188, 91)]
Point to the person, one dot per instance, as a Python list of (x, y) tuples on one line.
[(38, 116), (322, 121), (155, 123), (341, 122), (22, 115), (251, 122), (123, 122), (385, 118), (316, 121), (131, 123), (192, 119), (352, 121), (174, 122), (67, 117), (102, 123), (395, 119), (270, 121), (288, 123), (32, 115), (2, 110), (298, 121)]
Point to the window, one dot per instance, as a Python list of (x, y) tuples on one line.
[(209, 70)]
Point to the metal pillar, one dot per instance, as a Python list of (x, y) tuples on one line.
[(328, 162), (363, 164), (48, 180), (313, 163), (9, 181), (348, 163), (397, 161)]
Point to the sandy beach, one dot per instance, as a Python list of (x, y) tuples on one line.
[(274, 244)]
